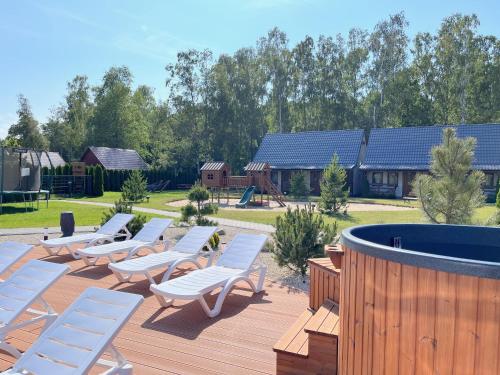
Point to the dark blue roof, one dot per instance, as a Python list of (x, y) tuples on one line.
[(410, 147), (118, 158), (310, 150)]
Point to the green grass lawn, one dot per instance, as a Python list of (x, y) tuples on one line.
[(385, 201), (355, 218), (156, 200), (14, 215)]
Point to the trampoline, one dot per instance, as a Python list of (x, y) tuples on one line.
[(20, 176)]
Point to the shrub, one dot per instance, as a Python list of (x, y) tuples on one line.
[(300, 234), (134, 225), (134, 189), (214, 241), (198, 194), (98, 181), (452, 191), (334, 190), (298, 186)]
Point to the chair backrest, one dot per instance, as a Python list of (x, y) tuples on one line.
[(25, 285), (152, 230), (11, 252), (194, 240), (115, 224), (78, 338), (242, 251)]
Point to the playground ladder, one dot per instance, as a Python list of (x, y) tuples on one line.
[(275, 192)]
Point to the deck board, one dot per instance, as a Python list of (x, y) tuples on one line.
[(182, 339)]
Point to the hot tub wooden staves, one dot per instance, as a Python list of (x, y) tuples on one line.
[(403, 319)]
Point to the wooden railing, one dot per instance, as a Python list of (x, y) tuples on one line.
[(237, 181), (324, 282)]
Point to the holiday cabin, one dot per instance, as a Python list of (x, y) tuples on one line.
[(395, 155)]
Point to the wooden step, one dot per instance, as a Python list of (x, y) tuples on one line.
[(295, 341), (325, 321)]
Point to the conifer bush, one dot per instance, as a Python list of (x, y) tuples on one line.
[(300, 234), (298, 186), (452, 191), (334, 190), (134, 189)]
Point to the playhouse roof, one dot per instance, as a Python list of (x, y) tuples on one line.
[(310, 150), (410, 148), (256, 167), (213, 166)]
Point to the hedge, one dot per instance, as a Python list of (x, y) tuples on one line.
[(113, 179)]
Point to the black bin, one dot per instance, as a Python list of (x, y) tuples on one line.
[(67, 223)]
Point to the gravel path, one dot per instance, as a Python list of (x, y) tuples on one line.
[(273, 206)]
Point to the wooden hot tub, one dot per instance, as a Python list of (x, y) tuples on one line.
[(429, 307)]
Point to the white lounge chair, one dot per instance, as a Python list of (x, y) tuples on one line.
[(107, 233), (20, 291), (234, 265), (186, 250), (75, 342), (146, 239), (10, 253)]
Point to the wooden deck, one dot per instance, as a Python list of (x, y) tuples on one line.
[(182, 339)]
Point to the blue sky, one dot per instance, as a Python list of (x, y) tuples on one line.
[(44, 44)]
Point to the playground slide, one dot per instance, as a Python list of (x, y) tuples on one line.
[(245, 198)]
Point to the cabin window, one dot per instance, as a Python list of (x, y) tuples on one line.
[(392, 179), (210, 176), (377, 177), (489, 180)]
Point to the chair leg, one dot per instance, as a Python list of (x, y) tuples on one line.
[(9, 349), (74, 253), (150, 278), (164, 302), (88, 261), (118, 364), (121, 278), (50, 318), (262, 277)]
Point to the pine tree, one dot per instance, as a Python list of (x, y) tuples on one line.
[(134, 188), (452, 191), (334, 190), (300, 234), (298, 186), (198, 194)]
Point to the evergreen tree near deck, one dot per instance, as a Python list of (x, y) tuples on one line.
[(134, 188), (98, 178), (200, 195), (334, 190), (298, 186), (452, 191), (300, 234)]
